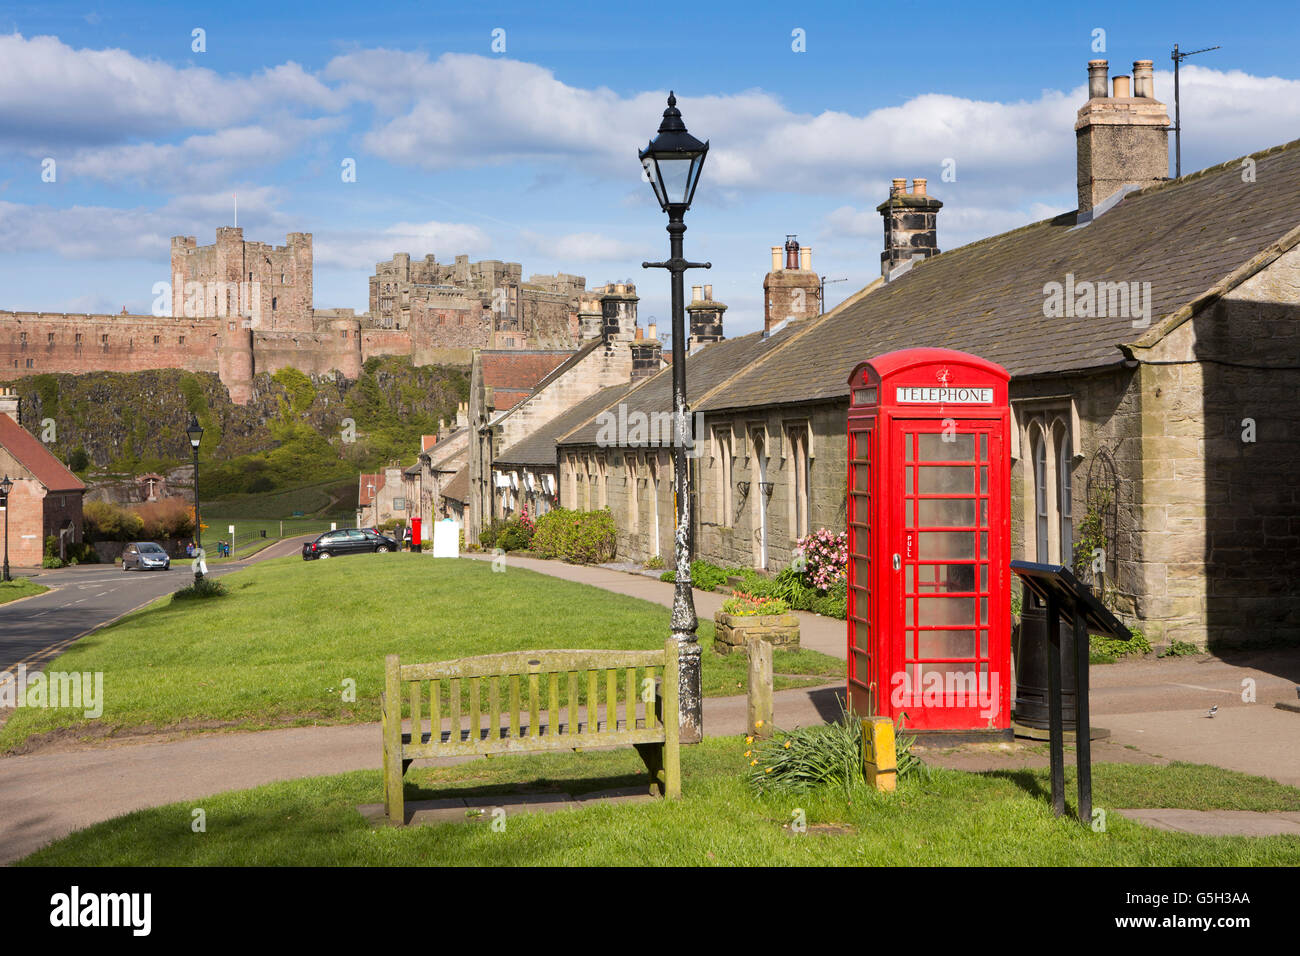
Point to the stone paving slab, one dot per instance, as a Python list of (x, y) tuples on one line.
[(1249, 823)]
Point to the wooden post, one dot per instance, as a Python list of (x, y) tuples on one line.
[(760, 688), (879, 754), (392, 719), (669, 716)]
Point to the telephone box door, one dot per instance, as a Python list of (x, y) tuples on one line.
[(947, 565)]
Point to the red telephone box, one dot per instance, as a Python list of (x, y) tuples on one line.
[(929, 630)]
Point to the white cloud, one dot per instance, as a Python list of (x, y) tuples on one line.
[(363, 248), (52, 95)]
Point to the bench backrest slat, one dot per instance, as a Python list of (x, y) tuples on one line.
[(524, 719)]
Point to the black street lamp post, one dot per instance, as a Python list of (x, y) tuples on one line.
[(6, 486), (672, 163), (195, 432)]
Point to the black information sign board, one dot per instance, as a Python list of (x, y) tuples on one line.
[(1067, 596)]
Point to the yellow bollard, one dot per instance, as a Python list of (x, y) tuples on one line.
[(879, 758)]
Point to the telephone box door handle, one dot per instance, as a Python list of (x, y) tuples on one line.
[(898, 562)]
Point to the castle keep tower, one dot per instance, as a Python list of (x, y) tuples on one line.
[(271, 286), (791, 290), (1122, 139)]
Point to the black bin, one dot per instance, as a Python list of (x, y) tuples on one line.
[(1030, 650)]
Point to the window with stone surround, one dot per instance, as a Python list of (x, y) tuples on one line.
[(799, 470), (1046, 433)]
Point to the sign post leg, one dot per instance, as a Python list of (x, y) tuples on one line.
[(1056, 730), (1083, 730)]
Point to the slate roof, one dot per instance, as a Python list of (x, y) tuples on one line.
[(36, 458), (706, 370), (538, 448), (1183, 237), (458, 488)]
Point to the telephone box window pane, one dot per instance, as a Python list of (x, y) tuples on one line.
[(938, 611), (947, 578), (984, 512), (984, 544), (984, 610), (938, 545), (907, 612), (984, 643), (984, 479), (945, 447), (911, 513), (861, 570), (984, 577), (940, 480), (946, 513), (946, 644), (861, 478), (984, 447), (909, 472), (911, 584)]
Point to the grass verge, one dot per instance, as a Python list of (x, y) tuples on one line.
[(19, 588), (280, 647), (953, 818)]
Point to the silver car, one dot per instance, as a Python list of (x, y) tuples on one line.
[(145, 556)]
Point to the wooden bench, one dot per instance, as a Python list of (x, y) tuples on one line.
[(444, 703)]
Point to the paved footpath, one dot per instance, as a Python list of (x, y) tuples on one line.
[(1155, 709)]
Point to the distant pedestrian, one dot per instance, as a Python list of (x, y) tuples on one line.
[(189, 549)]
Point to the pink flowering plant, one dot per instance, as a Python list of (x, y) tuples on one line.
[(527, 520), (825, 558)]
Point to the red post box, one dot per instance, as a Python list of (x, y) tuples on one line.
[(929, 542), (415, 534)]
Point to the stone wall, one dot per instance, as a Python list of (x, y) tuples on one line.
[(36, 342)]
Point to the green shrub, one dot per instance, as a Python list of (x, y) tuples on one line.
[(487, 538), (802, 760), (514, 535), (1106, 650), (204, 587), (704, 575), (753, 582), (581, 537), (1178, 648), (655, 563), (51, 562)]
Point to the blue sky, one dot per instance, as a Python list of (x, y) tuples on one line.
[(529, 154)]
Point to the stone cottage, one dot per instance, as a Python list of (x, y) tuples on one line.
[(45, 500), (1153, 341)]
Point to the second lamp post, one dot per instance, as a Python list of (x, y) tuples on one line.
[(672, 163)]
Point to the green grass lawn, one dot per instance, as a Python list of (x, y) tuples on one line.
[(312, 500), (19, 588), (953, 818), (278, 648)]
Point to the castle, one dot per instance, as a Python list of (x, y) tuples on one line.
[(240, 308)]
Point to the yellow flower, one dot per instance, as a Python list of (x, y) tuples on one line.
[(768, 770), (752, 762), (758, 723), (787, 745), (748, 753), (749, 740)]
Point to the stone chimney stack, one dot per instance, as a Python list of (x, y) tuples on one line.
[(1122, 139), (704, 317), (618, 312), (792, 289), (911, 225), (10, 404)]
